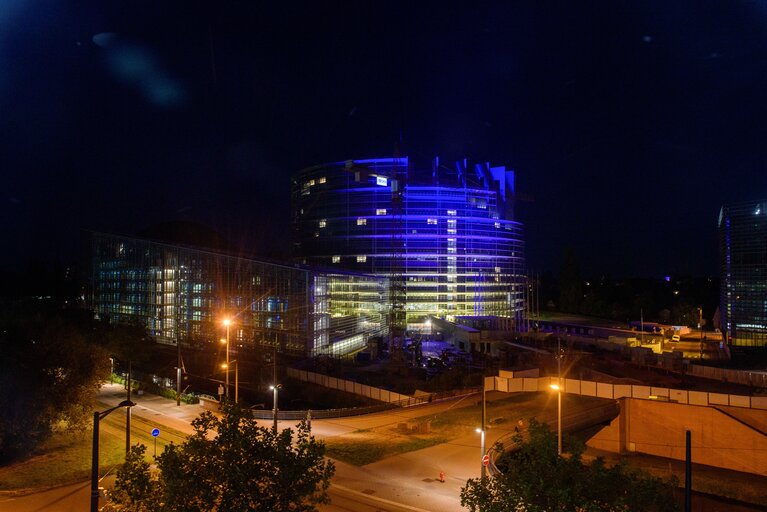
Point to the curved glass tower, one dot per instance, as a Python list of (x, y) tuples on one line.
[(445, 237)]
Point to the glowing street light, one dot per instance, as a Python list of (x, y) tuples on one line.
[(556, 388), (481, 432), (275, 388), (227, 322)]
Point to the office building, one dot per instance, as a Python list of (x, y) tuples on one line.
[(183, 294), (743, 254), (446, 237)]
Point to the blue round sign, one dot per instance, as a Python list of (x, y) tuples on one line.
[(155, 432)]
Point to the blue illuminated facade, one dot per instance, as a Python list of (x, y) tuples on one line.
[(447, 233), (743, 256)]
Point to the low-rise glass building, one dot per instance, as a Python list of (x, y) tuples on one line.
[(743, 256), (183, 294), (445, 236)]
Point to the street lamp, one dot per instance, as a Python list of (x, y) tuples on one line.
[(559, 416), (225, 366), (227, 323), (275, 388), (481, 432), (97, 417)]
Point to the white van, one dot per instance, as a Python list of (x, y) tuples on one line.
[(675, 338)]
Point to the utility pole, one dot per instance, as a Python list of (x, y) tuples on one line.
[(127, 413)]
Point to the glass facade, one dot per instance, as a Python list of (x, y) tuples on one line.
[(449, 234), (183, 294), (743, 253)]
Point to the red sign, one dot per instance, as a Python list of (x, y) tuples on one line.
[(486, 460)]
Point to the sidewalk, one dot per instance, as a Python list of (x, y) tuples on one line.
[(151, 406)]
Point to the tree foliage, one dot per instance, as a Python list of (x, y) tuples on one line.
[(536, 479), (230, 463), (50, 370)]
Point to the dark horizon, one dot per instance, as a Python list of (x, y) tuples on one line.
[(628, 124)]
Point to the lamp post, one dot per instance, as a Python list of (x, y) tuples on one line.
[(227, 323), (481, 432), (558, 388), (700, 328), (225, 366), (274, 388), (97, 417)]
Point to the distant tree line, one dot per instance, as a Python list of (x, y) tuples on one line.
[(54, 359), (671, 302)]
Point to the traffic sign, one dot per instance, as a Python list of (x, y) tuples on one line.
[(155, 432), (486, 460)]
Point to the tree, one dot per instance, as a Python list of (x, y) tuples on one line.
[(230, 464), (570, 286), (49, 373), (536, 479)]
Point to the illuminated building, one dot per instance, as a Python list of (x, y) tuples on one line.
[(743, 253), (184, 294), (447, 235)]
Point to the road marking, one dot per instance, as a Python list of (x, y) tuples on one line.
[(382, 500)]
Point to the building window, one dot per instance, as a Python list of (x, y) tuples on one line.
[(431, 221), (381, 211), (311, 183), (497, 225), (322, 180), (362, 259), (323, 223), (451, 212), (336, 259), (361, 221)]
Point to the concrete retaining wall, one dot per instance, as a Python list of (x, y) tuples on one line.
[(615, 391), (719, 438)]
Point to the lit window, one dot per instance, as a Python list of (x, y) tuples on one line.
[(497, 225), (323, 223), (381, 211), (381, 181), (431, 221), (362, 259), (316, 234), (361, 221), (322, 180), (336, 259), (451, 212), (311, 183), (498, 270)]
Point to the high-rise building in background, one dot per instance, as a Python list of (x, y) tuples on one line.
[(183, 294), (743, 253), (446, 237)]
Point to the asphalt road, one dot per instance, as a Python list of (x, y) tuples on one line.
[(405, 482)]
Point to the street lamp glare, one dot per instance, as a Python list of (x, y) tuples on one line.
[(224, 366), (271, 388), (223, 340), (478, 431), (227, 322), (555, 387)]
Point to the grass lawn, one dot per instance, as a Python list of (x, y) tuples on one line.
[(65, 458), (370, 445)]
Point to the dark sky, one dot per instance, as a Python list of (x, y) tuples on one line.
[(628, 123)]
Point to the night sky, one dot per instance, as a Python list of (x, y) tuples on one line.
[(628, 123)]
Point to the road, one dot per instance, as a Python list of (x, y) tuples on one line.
[(406, 482)]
